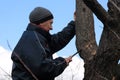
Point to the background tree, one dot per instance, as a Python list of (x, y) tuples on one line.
[(101, 61)]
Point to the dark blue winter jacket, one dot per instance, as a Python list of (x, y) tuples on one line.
[(35, 49)]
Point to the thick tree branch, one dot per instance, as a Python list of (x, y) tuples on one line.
[(85, 31), (100, 12), (108, 53)]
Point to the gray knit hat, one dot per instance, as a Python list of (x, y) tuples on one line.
[(39, 15)]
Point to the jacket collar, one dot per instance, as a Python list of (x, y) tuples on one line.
[(32, 27)]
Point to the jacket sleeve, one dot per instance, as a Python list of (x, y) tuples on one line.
[(62, 38), (34, 57)]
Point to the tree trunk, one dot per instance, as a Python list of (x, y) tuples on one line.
[(104, 64), (85, 31)]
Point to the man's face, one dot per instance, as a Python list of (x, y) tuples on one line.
[(47, 25)]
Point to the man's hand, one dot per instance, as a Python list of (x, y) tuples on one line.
[(75, 16), (68, 60)]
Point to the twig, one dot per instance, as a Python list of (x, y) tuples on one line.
[(5, 72)]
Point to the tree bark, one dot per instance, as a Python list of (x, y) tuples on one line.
[(85, 31), (103, 65)]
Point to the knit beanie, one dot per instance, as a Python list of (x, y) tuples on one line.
[(40, 15)]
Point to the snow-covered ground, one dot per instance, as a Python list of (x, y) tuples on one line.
[(75, 70)]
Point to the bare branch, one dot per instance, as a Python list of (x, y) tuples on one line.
[(5, 72)]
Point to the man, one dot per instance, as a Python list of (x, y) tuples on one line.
[(32, 56)]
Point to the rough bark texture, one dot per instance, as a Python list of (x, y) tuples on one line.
[(85, 31), (104, 64)]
